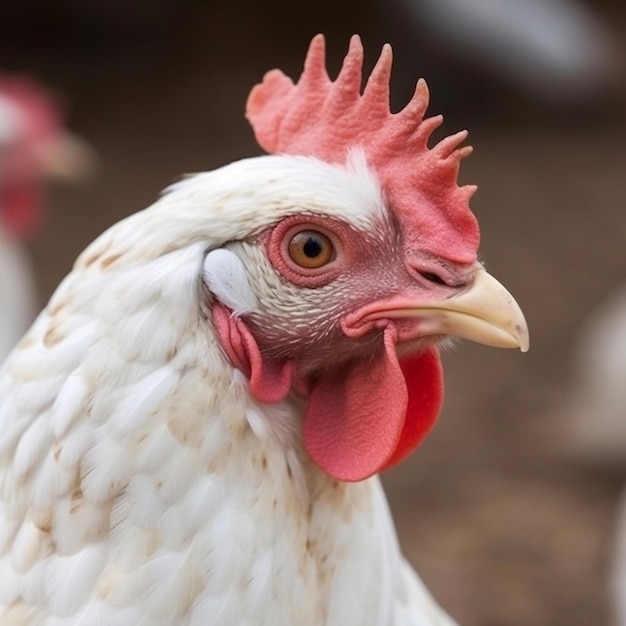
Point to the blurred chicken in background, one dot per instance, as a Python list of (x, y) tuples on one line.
[(554, 53), (33, 147), (598, 405)]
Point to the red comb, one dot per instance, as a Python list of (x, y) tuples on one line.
[(40, 106), (325, 119)]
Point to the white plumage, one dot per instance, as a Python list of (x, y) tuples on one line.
[(133, 490)]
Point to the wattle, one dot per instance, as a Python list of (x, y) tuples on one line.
[(373, 415), (20, 208)]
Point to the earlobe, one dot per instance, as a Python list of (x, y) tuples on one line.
[(225, 275)]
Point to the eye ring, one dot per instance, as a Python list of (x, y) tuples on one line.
[(311, 249), (331, 234)]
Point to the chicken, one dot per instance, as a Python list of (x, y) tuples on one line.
[(193, 427), (597, 416), (556, 52), (33, 146), (17, 293)]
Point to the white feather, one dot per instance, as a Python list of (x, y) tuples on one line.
[(33, 585), (104, 468), (70, 579), (71, 448), (49, 483), (169, 577), (27, 547), (259, 582), (257, 422), (69, 403), (157, 446), (8, 531), (145, 507), (142, 399), (34, 443), (200, 503), (9, 589), (218, 610)]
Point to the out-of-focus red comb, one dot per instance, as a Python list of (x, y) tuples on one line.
[(40, 106), (325, 119)]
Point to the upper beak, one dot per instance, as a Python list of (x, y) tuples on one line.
[(67, 157), (484, 312)]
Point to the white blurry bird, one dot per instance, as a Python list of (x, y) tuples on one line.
[(17, 293), (597, 416), (191, 430), (555, 51), (33, 147)]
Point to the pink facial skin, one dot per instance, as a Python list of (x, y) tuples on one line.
[(366, 407)]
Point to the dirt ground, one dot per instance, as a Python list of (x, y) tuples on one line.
[(505, 527)]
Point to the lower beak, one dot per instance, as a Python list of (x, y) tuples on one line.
[(484, 312)]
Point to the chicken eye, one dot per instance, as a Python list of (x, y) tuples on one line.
[(311, 249)]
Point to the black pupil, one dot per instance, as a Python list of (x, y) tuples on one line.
[(312, 248)]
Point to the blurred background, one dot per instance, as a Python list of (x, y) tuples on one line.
[(505, 521)]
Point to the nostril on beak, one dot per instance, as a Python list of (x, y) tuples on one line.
[(433, 278)]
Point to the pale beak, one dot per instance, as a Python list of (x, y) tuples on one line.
[(484, 312), (67, 157)]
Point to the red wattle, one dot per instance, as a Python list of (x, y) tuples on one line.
[(424, 379), (354, 417), (20, 208)]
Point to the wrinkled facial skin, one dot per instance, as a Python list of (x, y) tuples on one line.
[(301, 311)]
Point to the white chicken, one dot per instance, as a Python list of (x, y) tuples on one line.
[(191, 430), (557, 52), (33, 147), (17, 297), (598, 406)]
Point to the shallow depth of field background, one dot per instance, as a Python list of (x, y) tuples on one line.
[(503, 522)]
